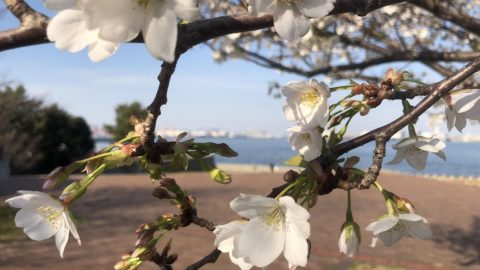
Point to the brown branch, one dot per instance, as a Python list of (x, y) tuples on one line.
[(160, 99), (32, 29), (439, 90), (203, 223), (200, 31), (210, 258), (378, 155)]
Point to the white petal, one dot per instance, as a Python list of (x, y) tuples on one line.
[(441, 155), (465, 101), (118, 20), (101, 49), (71, 226), (251, 206), (296, 247), (294, 88), (240, 262), (61, 239), (315, 8), (450, 115), (404, 143), (69, 31), (260, 244), (419, 230), (411, 217), (225, 234), (390, 237), (460, 122), (296, 215), (399, 156), (289, 23), (40, 231), (186, 10), (384, 224), (160, 31), (27, 217), (417, 160)]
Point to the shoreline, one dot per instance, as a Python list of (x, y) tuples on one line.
[(261, 168)]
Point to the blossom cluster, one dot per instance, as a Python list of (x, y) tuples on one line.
[(101, 25), (306, 105)]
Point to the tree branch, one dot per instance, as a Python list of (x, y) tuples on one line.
[(439, 90), (200, 31)]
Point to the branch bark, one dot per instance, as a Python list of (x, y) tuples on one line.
[(439, 90)]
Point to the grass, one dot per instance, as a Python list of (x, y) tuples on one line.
[(8, 231)]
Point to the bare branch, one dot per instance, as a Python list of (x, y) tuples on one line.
[(438, 91), (210, 258)]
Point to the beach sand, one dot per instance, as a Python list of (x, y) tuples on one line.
[(116, 204)]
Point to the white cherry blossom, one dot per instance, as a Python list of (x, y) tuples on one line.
[(226, 237), (415, 151), (103, 24), (274, 226), (460, 106), (291, 17), (306, 103), (42, 217), (391, 228), (349, 241), (307, 142)]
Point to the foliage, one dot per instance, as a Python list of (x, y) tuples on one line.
[(39, 137), (122, 124)]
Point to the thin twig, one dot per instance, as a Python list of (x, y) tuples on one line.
[(210, 258), (374, 170)]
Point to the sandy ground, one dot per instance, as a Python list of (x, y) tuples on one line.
[(117, 204)]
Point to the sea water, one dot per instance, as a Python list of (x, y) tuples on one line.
[(463, 159)]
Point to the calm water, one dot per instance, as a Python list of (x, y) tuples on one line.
[(462, 158)]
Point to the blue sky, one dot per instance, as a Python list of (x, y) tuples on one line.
[(203, 94)]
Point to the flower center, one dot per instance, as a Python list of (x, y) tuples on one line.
[(310, 98), (51, 214), (274, 218)]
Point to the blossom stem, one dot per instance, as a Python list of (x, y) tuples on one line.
[(287, 189), (387, 195), (343, 87), (113, 145), (335, 105), (86, 182), (95, 157), (349, 208)]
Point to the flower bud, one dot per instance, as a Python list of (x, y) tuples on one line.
[(168, 182), (171, 258), (404, 205), (161, 193), (395, 76), (358, 89), (290, 176)]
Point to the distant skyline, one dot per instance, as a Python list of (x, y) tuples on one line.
[(203, 94)]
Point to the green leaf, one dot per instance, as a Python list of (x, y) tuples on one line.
[(294, 161), (221, 149), (220, 176)]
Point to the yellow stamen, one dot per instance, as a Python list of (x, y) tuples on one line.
[(310, 98), (274, 218), (51, 214)]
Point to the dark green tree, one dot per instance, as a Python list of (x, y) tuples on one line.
[(122, 124), (37, 138)]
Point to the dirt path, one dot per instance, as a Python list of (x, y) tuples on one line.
[(116, 205)]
